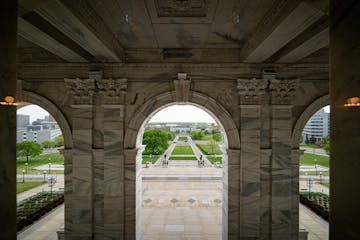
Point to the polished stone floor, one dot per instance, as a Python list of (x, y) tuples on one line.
[(178, 203)]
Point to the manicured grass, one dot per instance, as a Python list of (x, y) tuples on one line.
[(313, 173), (184, 139), (206, 149), (56, 158), (213, 159), (24, 186), (183, 158), (326, 184), (151, 159), (308, 159), (182, 150), (309, 145)]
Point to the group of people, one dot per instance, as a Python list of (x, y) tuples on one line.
[(201, 162)]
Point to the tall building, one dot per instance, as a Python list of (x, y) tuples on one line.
[(22, 120), (318, 126)]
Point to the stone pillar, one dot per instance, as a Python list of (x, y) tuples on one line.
[(68, 188), (265, 196), (231, 191), (251, 93), (344, 121), (282, 92), (295, 168), (8, 34), (114, 172), (82, 202)]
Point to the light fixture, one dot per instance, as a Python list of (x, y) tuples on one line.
[(352, 102), (9, 101)]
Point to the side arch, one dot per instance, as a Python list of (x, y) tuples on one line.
[(46, 104), (132, 137), (305, 116)]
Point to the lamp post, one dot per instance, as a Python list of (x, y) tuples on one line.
[(49, 167), (315, 167), (44, 175), (23, 172), (320, 177), (26, 165)]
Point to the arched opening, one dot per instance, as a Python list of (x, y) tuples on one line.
[(183, 183), (133, 140), (42, 123), (311, 136)]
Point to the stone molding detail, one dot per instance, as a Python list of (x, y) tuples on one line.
[(81, 90), (251, 87), (251, 90), (282, 91), (112, 90), (182, 89)]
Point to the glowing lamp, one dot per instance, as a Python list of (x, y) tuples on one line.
[(352, 102), (9, 101)]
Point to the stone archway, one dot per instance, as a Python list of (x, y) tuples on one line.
[(34, 98), (305, 116), (133, 150)]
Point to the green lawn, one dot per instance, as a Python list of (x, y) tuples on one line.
[(22, 187), (326, 184), (206, 149), (308, 159), (213, 159), (184, 139), (309, 145), (313, 173), (56, 158), (182, 150), (151, 159), (183, 158)]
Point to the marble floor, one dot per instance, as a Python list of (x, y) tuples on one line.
[(183, 203)]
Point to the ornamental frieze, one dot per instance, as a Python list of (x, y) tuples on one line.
[(107, 91)]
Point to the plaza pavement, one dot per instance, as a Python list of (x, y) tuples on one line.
[(187, 204)]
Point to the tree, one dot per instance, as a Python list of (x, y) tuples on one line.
[(212, 145), (197, 135), (217, 137), (156, 141), (327, 145), (28, 149), (48, 144), (59, 141), (171, 135)]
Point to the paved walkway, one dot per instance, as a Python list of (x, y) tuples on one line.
[(46, 227), (186, 205), (318, 151)]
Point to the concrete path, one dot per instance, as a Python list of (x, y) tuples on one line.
[(197, 152), (317, 227), (318, 151), (46, 227), (168, 151)]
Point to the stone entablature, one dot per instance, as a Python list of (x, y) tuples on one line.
[(85, 91), (281, 91)]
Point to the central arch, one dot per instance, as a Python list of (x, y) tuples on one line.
[(230, 134)]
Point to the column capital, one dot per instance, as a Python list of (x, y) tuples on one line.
[(283, 91), (251, 90)]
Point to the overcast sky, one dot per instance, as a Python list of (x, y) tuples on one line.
[(175, 113), (182, 113)]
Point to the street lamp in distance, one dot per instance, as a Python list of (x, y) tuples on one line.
[(44, 175), (23, 172), (49, 167), (26, 165)]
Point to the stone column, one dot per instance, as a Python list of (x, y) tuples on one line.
[(344, 121), (82, 202), (114, 172), (8, 34), (231, 193), (68, 188), (282, 92), (251, 93), (82, 178)]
